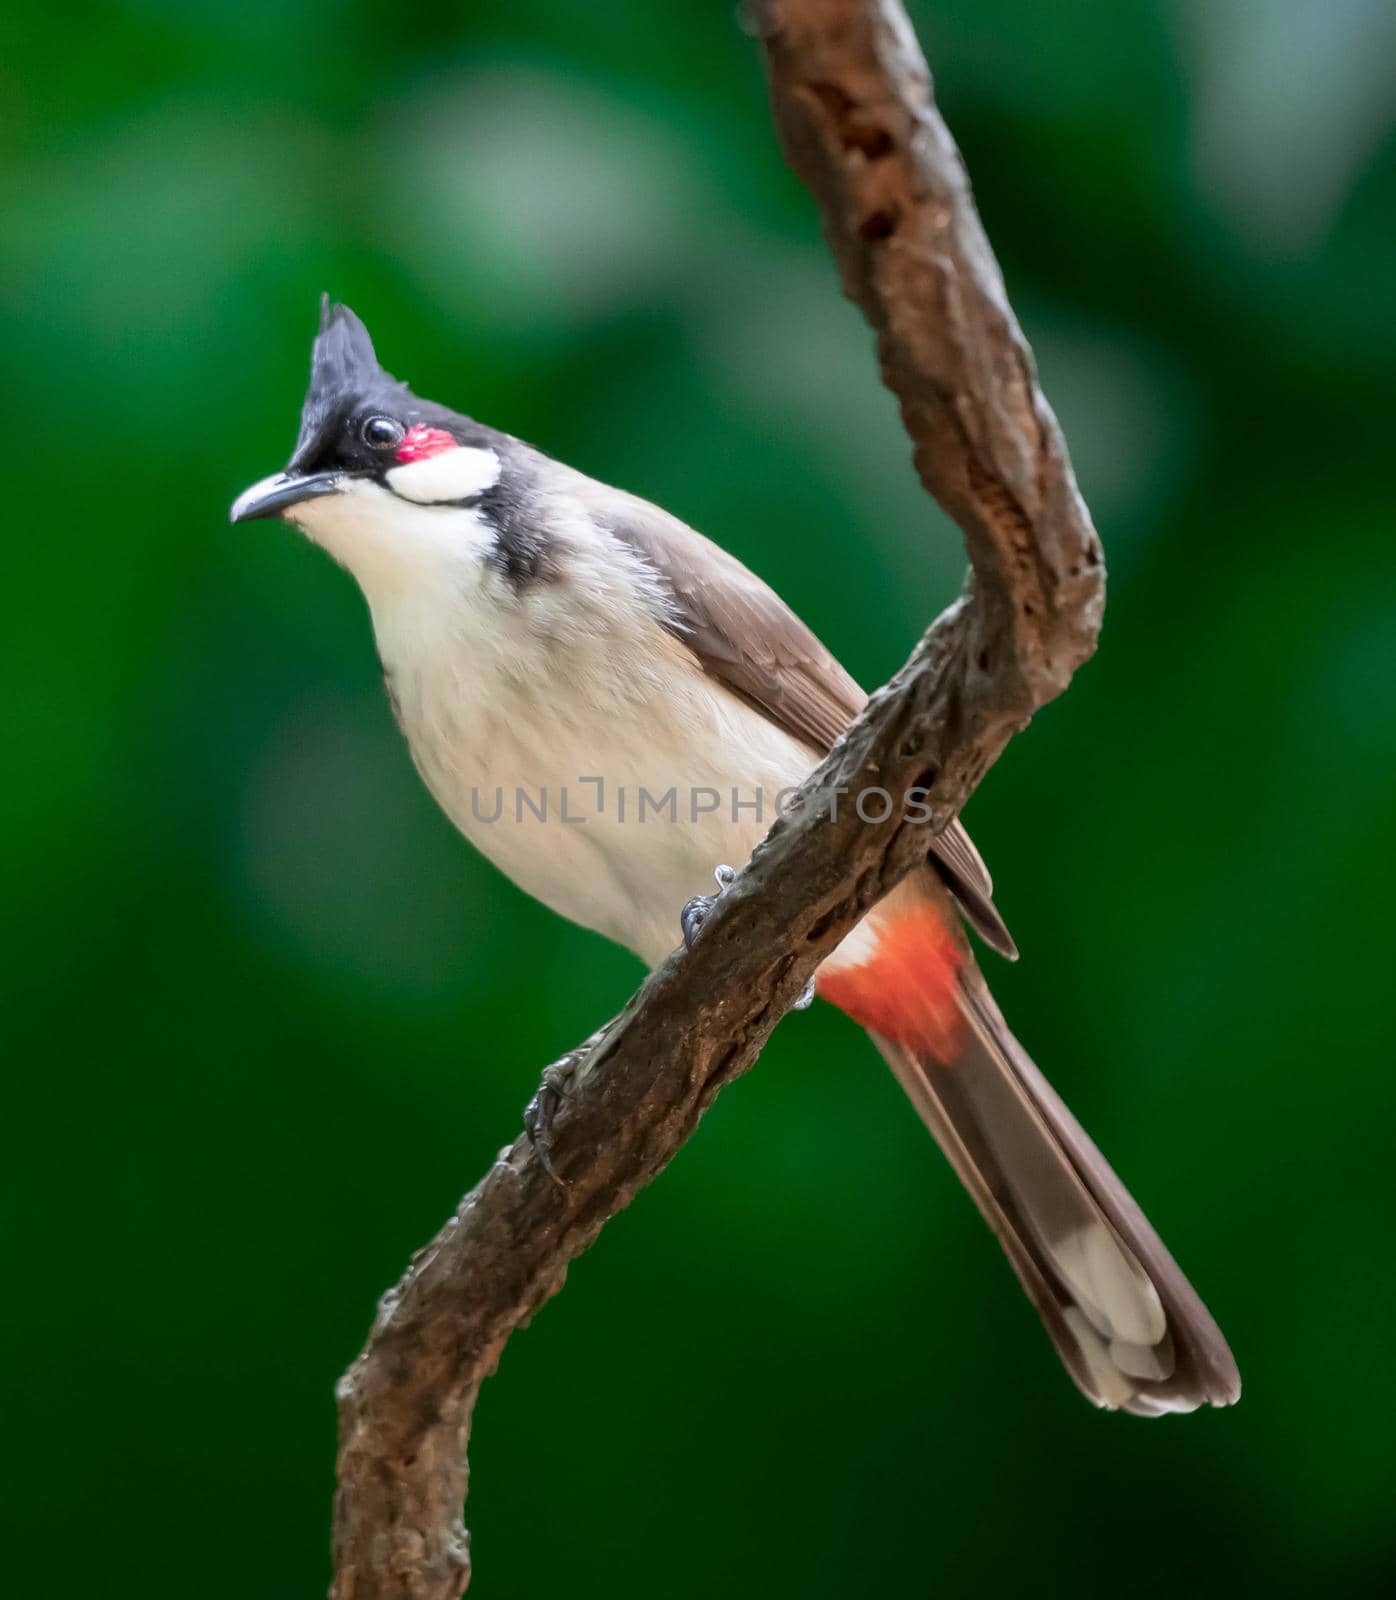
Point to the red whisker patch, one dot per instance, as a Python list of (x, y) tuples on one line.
[(421, 443), (906, 990)]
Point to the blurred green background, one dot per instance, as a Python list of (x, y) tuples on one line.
[(267, 1016)]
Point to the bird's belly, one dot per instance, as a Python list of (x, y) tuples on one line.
[(613, 810)]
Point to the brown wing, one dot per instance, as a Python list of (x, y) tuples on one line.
[(741, 631), (744, 635)]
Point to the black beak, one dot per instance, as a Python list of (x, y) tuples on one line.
[(272, 496)]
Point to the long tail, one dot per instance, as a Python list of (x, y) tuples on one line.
[(1127, 1324)]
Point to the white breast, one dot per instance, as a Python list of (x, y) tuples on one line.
[(537, 718)]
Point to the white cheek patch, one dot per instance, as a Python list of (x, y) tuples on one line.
[(450, 475)]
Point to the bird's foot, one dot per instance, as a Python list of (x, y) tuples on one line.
[(699, 908), (806, 999), (553, 1089), (540, 1111)]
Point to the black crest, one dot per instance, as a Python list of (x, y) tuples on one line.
[(344, 375)]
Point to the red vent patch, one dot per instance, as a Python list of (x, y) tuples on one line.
[(906, 990)]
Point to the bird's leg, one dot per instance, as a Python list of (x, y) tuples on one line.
[(699, 908), (552, 1091)]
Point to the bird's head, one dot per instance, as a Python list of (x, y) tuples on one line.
[(380, 478)]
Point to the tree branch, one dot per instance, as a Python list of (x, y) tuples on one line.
[(852, 100)]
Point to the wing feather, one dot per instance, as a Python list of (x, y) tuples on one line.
[(744, 635)]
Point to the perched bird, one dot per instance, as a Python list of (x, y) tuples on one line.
[(556, 651)]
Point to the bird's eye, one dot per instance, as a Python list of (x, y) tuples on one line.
[(382, 433)]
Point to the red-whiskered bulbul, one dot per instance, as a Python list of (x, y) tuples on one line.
[(544, 636)]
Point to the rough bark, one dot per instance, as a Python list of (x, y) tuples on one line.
[(852, 100)]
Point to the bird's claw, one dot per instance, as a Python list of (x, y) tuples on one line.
[(553, 1088), (806, 998), (699, 908), (540, 1111)]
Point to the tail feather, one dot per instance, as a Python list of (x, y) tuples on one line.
[(1128, 1326)]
